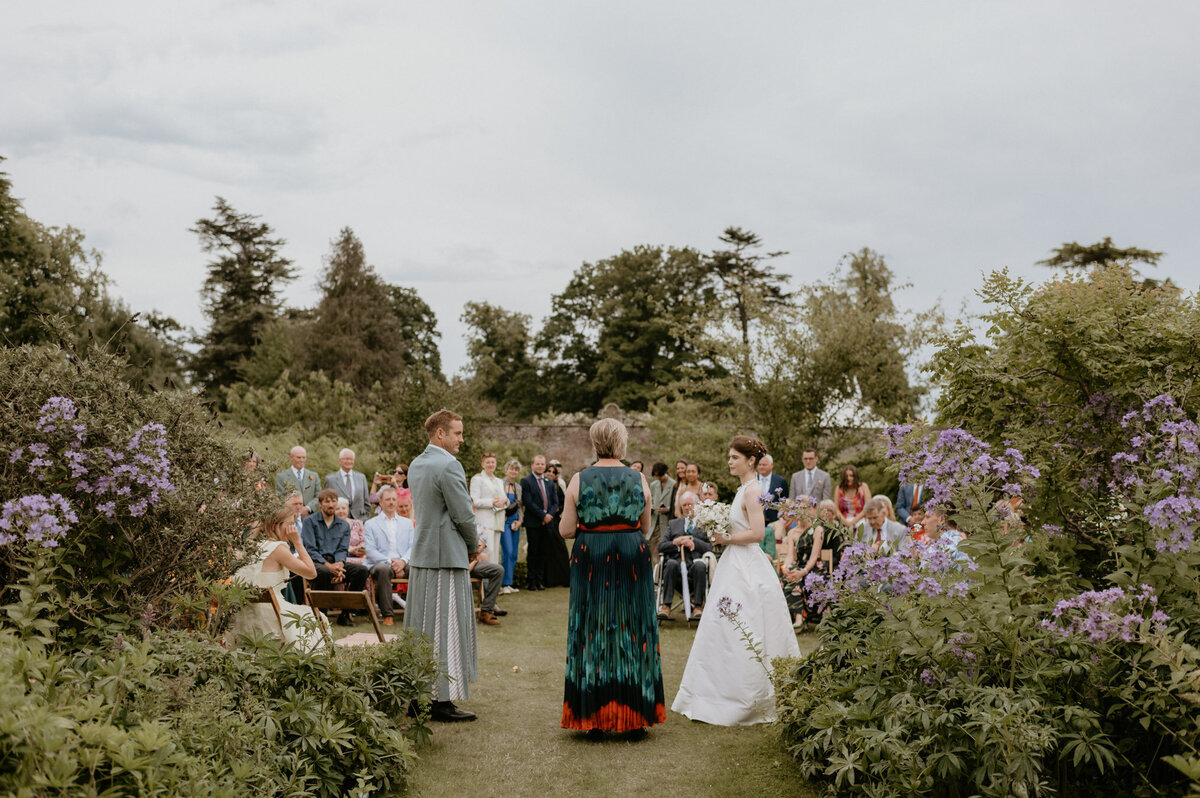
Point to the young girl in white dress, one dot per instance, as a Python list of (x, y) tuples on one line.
[(271, 568), (723, 683)]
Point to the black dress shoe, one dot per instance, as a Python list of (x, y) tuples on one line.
[(346, 618), (499, 613), (446, 712)]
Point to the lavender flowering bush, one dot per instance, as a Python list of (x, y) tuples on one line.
[(135, 501), (981, 665)]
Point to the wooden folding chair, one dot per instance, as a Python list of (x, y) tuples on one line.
[(827, 558), (345, 600), (267, 596)]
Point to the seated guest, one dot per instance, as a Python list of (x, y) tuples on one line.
[(916, 525), (806, 539), (389, 539), (492, 574), (404, 505), (687, 543), (708, 492), (327, 539), (888, 509), (358, 551), (878, 531)]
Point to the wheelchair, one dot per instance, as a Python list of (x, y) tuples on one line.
[(660, 583)]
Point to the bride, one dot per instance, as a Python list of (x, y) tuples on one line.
[(723, 683)]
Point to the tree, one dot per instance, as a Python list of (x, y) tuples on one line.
[(418, 342), (240, 294), (1073, 255), (744, 277), (623, 328), (502, 367)]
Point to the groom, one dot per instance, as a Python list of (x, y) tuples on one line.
[(439, 582)]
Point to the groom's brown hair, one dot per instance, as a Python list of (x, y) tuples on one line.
[(440, 420)]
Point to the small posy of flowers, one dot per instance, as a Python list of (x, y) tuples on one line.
[(952, 460), (713, 518), (38, 520), (1100, 616), (1160, 471)]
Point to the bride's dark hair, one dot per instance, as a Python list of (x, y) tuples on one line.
[(750, 448)]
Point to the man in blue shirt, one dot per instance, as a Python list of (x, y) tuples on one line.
[(388, 539), (327, 539)]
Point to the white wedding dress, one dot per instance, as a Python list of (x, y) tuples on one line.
[(723, 684)]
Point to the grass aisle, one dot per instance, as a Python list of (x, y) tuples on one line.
[(517, 748)]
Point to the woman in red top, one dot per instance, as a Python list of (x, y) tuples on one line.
[(851, 496)]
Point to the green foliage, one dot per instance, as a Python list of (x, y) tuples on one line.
[(175, 714), (277, 349), (499, 345), (744, 279), (1057, 367), (619, 331), (314, 403), (241, 292), (112, 571), (417, 344), (1101, 255), (685, 428)]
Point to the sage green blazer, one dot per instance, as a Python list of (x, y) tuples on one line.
[(445, 517)]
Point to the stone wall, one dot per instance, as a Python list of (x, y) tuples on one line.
[(568, 442)]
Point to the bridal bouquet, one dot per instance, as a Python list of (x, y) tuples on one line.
[(713, 518)]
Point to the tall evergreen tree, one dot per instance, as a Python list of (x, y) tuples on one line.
[(744, 277), (503, 370), (241, 292)]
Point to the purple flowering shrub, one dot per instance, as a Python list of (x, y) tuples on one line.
[(980, 665), (131, 500)]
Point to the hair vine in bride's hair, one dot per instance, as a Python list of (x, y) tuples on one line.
[(749, 447)]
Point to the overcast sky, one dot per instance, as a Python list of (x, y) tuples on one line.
[(482, 151)]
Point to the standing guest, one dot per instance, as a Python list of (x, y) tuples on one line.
[(439, 583), (350, 484), (773, 485), (811, 481), (662, 488), (489, 501), (510, 538), (491, 574), (389, 541), (303, 480), (851, 497), (691, 484), (880, 532), (685, 542), (910, 499), (558, 557), (638, 466), (613, 673), (541, 502), (358, 551), (680, 471), (398, 479), (327, 538), (837, 536)]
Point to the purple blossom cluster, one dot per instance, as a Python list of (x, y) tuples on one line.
[(38, 520), (1103, 615), (953, 459), (140, 475), (922, 569), (1162, 463), (727, 609), (956, 642), (57, 422)]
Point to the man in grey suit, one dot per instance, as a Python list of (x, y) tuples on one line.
[(350, 485), (439, 583), (880, 532), (811, 481), (299, 479)]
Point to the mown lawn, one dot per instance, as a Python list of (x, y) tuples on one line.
[(517, 748)]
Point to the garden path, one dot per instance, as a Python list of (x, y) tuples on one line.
[(517, 748)]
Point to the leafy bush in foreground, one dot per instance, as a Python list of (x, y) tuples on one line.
[(996, 672)]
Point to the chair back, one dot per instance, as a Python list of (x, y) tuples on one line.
[(345, 600)]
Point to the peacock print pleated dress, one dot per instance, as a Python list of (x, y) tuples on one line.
[(614, 674)]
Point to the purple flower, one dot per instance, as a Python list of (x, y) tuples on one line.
[(1101, 616), (37, 519), (727, 609)]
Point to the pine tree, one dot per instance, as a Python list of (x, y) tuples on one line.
[(240, 294)]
